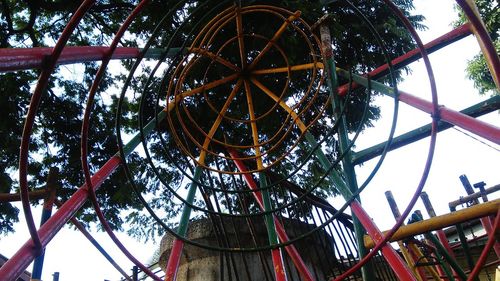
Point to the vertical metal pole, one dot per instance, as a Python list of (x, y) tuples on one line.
[(367, 271), (460, 231), (135, 273), (406, 254), (280, 230), (485, 221), (46, 214), (441, 249), (440, 233), (279, 269), (176, 252), (412, 247)]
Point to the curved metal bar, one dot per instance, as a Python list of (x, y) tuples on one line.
[(30, 119), (487, 248), (425, 173), (116, 160), (84, 138), (487, 46)]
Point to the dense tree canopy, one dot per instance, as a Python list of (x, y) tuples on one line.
[(57, 131)]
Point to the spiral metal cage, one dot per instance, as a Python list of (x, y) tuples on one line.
[(220, 76)]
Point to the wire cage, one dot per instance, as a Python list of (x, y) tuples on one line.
[(248, 104)]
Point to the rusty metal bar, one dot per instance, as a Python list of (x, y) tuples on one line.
[(474, 196), (13, 197)]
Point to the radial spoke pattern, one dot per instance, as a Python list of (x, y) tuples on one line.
[(252, 104)]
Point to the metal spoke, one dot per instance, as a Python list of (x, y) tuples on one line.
[(253, 125), (276, 36), (296, 119), (215, 57), (178, 98), (291, 68), (241, 38), (217, 121)]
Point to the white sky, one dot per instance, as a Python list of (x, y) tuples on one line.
[(76, 259)]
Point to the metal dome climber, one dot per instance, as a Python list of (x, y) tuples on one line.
[(216, 86)]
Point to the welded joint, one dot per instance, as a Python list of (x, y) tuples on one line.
[(436, 116)]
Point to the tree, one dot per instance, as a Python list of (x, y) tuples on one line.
[(477, 67), (56, 135)]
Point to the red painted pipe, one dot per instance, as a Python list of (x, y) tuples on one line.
[(413, 55), (277, 259), (29, 58), (25, 255), (478, 127), (279, 269), (444, 240), (475, 126), (174, 260), (397, 264), (280, 230), (488, 228), (484, 254), (389, 253)]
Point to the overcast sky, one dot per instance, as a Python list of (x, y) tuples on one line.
[(76, 259)]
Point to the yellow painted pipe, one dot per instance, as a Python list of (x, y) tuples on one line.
[(409, 260), (439, 222)]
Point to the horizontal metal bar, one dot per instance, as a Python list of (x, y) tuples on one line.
[(439, 222), (13, 197), (14, 59), (476, 110), (475, 126), (467, 199), (415, 54)]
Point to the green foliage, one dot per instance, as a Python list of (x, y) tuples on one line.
[(477, 68), (477, 71)]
